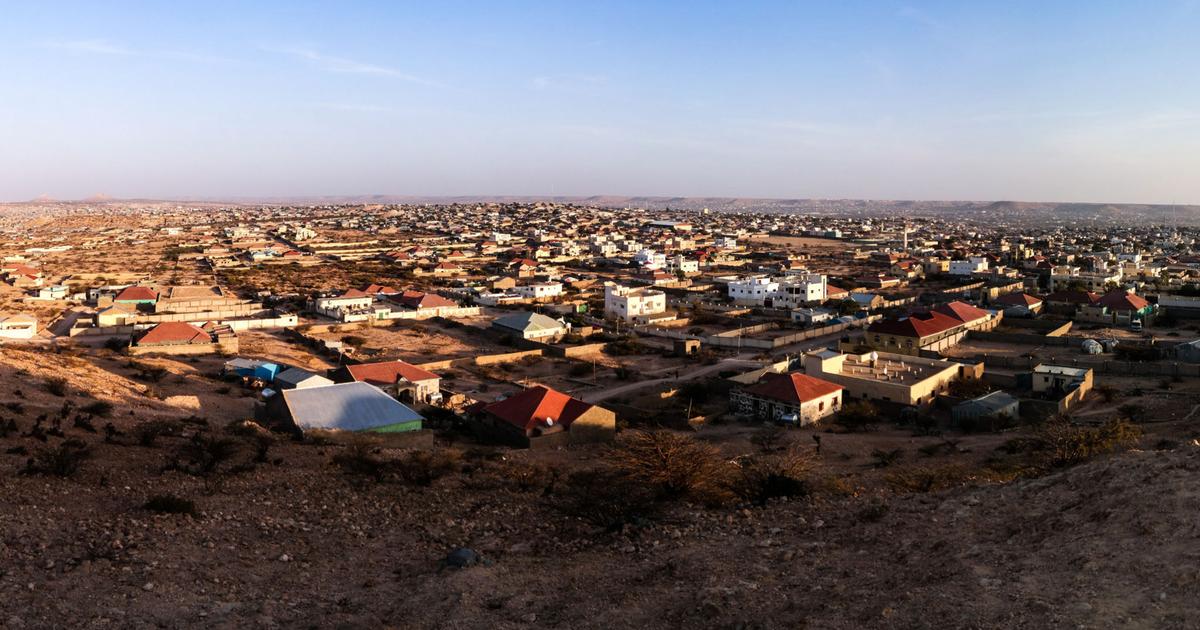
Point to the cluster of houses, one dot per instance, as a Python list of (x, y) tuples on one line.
[(387, 396), (551, 273)]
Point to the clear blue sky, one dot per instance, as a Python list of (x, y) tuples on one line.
[(1086, 101)]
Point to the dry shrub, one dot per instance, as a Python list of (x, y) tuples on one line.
[(605, 498), (675, 465), (422, 468), (930, 478), (1065, 444), (101, 408), (527, 476), (770, 438), (764, 477), (834, 486), (363, 458), (63, 460), (170, 504), (146, 433), (360, 458), (205, 454), (56, 386)]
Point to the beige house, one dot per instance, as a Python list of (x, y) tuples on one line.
[(116, 315), (17, 326), (885, 377), (543, 417)]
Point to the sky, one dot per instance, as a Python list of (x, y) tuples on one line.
[(1034, 101)]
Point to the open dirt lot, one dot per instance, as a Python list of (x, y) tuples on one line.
[(294, 542)]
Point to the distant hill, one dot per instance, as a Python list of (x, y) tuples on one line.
[(1009, 211)]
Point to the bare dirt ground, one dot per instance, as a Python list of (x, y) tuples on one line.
[(296, 543), (293, 541)]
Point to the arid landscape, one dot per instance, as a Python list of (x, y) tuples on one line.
[(649, 315)]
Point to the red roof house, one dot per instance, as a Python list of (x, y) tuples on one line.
[(174, 334), (792, 397), (136, 294), (539, 412), (961, 311)]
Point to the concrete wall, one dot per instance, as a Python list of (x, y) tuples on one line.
[(225, 346), (734, 339)]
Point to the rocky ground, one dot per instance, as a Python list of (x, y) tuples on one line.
[(293, 541)]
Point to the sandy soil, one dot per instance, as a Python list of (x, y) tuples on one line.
[(298, 544)]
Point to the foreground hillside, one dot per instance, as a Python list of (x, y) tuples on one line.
[(313, 535)]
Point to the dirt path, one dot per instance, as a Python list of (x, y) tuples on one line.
[(685, 376)]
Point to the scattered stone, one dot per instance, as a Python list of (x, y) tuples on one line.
[(462, 558)]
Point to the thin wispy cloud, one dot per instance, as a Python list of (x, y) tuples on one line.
[(343, 65), (921, 17), (355, 107), (106, 47), (94, 46), (567, 81)]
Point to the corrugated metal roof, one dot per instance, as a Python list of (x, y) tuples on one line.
[(347, 407), (295, 376), (529, 322)]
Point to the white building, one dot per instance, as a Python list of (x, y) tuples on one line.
[(1063, 276), (752, 290), (725, 242), (787, 292), (975, 264), (539, 290), (798, 290), (628, 303), (681, 264), (650, 260), (812, 315), (349, 301)]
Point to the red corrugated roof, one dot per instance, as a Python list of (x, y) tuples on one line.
[(526, 409), (420, 299), (916, 325), (1123, 301), (1018, 299), (388, 372), (961, 311), (175, 332), (136, 293), (792, 388), (372, 289)]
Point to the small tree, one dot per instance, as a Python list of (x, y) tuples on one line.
[(858, 415), (676, 465)]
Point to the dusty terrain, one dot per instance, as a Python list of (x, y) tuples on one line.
[(292, 540)]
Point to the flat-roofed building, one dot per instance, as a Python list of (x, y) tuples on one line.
[(630, 303), (886, 377)]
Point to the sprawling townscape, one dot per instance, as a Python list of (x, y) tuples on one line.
[(462, 368), (767, 315)]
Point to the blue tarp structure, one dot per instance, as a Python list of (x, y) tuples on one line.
[(254, 368)]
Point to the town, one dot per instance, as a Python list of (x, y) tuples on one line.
[(844, 357)]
